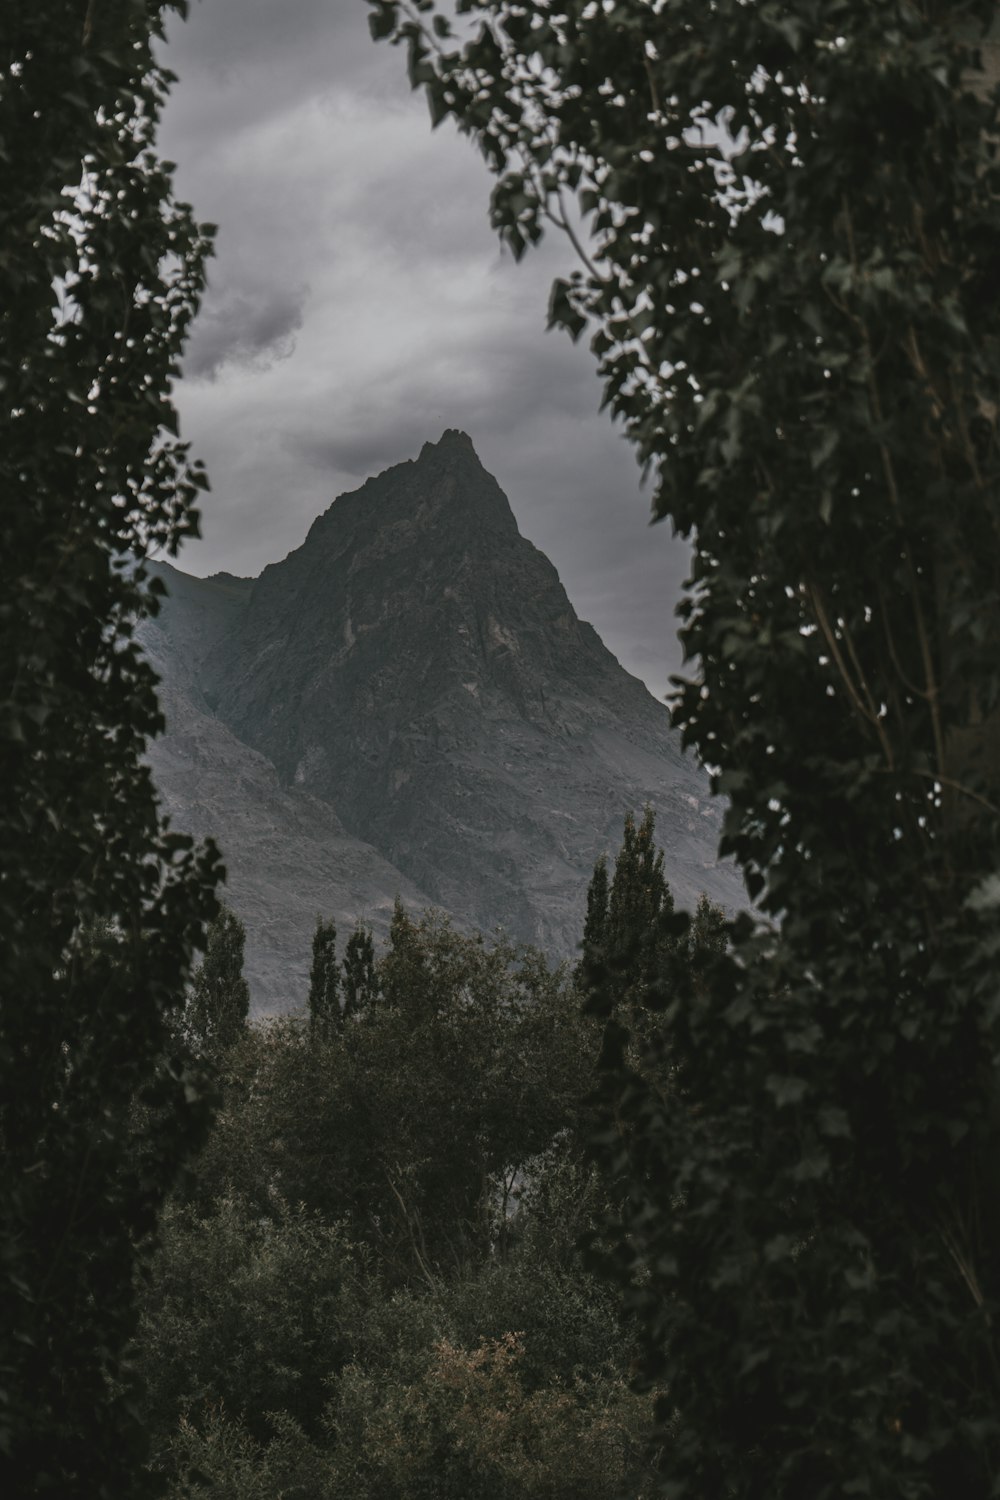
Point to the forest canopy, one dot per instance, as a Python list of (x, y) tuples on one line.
[(373, 1283)]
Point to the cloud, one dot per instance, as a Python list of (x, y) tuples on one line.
[(241, 62), (243, 327)]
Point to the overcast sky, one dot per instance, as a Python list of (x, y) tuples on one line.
[(359, 304)]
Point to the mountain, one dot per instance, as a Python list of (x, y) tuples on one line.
[(413, 684), (288, 857)]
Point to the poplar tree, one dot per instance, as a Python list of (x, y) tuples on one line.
[(101, 905), (361, 986), (639, 901), (595, 922), (787, 224), (324, 980), (628, 928), (403, 966), (219, 1004), (596, 919)]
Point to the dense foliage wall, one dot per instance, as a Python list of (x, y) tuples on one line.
[(372, 1286), (787, 219), (100, 905)]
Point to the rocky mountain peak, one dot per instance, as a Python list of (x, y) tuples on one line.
[(408, 703), (452, 439), (445, 493)]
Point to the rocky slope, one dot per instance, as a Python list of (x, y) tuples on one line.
[(415, 676), (288, 857)]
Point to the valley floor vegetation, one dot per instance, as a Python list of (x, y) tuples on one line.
[(372, 1282)]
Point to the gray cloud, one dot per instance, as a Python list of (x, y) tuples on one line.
[(301, 139), (245, 327), (240, 62)]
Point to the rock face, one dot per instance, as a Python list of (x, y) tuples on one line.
[(288, 857), (413, 679)]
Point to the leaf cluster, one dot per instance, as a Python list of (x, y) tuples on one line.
[(101, 906)]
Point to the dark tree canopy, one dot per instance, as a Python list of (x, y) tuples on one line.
[(324, 979), (360, 978), (101, 271), (403, 976), (595, 926), (403, 1118), (789, 222), (219, 1004), (371, 1288)]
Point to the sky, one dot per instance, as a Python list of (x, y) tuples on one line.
[(359, 304)]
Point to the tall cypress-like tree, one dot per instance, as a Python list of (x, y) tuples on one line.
[(638, 949), (595, 926), (403, 965), (324, 980), (360, 979), (639, 904), (595, 923), (220, 999)]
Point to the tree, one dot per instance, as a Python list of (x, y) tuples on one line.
[(219, 1004), (278, 1364), (788, 221), (644, 957), (246, 1312), (630, 921), (596, 921), (101, 906), (403, 970), (639, 903), (324, 979), (360, 980)]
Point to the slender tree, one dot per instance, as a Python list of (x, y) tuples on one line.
[(596, 921), (402, 970), (628, 927), (361, 986), (639, 901), (595, 924), (101, 907), (324, 980), (637, 949), (219, 1004)]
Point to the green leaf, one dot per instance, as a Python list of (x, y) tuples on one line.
[(833, 1121), (562, 312), (786, 1089)]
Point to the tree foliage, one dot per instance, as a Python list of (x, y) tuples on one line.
[(373, 1287), (404, 1120), (788, 217), (100, 905), (360, 981), (324, 978), (595, 923), (294, 1373), (636, 947), (219, 1003)]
